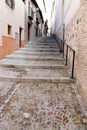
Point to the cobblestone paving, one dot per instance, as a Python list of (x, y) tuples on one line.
[(45, 105), (5, 91), (42, 106)]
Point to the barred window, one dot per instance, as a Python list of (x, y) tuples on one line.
[(11, 3)]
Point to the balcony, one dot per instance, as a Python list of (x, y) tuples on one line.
[(30, 13)]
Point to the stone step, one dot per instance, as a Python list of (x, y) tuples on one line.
[(47, 73), (39, 49), (34, 75), (32, 63), (35, 66), (35, 57), (36, 53), (41, 46), (46, 80)]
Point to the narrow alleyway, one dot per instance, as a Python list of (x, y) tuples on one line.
[(36, 90)]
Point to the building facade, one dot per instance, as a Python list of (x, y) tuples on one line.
[(53, 18), (11, 26), (33, 20), (70, 27), (46, 28)]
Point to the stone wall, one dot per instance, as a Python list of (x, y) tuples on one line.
[(76, 38), (82, 53)]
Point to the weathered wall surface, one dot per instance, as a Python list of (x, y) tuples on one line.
[(65, 10), (76, 35), (58, 15), (70, 8), (82, 54), (74, 16), (15, 18)]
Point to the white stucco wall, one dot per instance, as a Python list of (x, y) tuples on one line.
[(58, 14), (53, 17), (70, 8), (15, 18)]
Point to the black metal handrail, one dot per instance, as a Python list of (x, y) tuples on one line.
[(61, 45), (73, 59)]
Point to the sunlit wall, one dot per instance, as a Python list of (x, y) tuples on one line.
[(64, 11)]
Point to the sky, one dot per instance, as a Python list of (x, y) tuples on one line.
[(46, 15), (48, 10)]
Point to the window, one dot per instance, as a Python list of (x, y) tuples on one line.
[(28, 4), (9, 30), (23, 1), (11, 3)]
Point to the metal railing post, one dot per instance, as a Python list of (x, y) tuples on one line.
[(63, 38), (63, 49), (73, 63), (67, 55)]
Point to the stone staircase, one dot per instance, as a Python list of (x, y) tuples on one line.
[(36, 62), (35, 89)]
